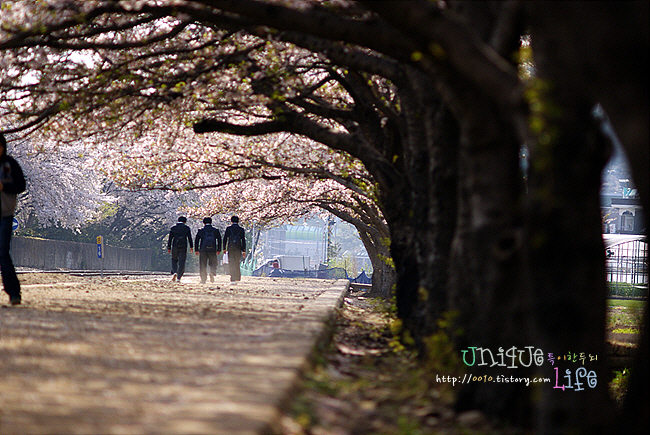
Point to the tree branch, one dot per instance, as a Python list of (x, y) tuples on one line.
[(442, 38), (319, 22), (291, 123)]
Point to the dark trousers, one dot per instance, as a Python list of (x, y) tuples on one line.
[(178, 261), (206, 258), (9, 278), (234, 258)]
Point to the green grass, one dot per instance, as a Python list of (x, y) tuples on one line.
[(623, 317), (625, 331), (624, 314), (628, 303)]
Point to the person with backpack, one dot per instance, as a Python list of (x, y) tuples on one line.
[(234, 242), (12, 182), (208, 246), (180, 236)]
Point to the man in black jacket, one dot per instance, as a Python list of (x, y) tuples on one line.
[(12, 182), (179, 237), (234, 241), (208, 247)]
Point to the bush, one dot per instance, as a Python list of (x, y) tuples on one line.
[(628, 290), (618, 385)]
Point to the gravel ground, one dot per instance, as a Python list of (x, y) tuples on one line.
[(148, 356)]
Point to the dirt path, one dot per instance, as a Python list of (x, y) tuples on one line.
[(108, 356)]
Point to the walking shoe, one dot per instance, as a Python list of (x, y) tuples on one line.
[(174, 278), (15, 300)]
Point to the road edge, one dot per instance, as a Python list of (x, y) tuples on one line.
[(324, 312)]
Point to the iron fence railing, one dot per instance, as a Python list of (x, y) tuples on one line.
[(627, 262)]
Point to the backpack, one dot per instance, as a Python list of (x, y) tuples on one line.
[(209, 239), (235, 237), (180, 243), (180, 239)]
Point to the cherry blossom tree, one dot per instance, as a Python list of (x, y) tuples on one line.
[(67, 190), (270, 202), (62, 187), (142, 120), (270, 181)]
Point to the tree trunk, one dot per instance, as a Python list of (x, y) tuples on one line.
[(567, 256), (383, 280), (602, 60), (422, 218), (565, 242), (487, 263), (383, 272), (402, 243)]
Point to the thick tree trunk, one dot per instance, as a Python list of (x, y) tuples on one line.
[(487, 268), (402, 247), (603, 59), (567, 256), (384, 278), (620, 85), (565, 242), (423, 217), (383, 273), (442, 169)]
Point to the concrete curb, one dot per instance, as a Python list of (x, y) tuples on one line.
[(321, 318)]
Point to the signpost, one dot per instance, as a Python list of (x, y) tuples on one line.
[(100, 253)]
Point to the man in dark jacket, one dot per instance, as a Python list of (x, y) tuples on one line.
[(12, 182), (179, 237), (234, 241), (208, 247)]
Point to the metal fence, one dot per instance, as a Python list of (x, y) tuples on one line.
[(627, 262)]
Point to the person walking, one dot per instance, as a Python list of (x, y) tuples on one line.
[(180, 236), (12, 182), (208, 247), (234, 242)]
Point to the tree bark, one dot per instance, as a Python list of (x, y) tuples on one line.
[(565, 243), (383, 272), (420, 208), (487, 263), (603, 60)]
